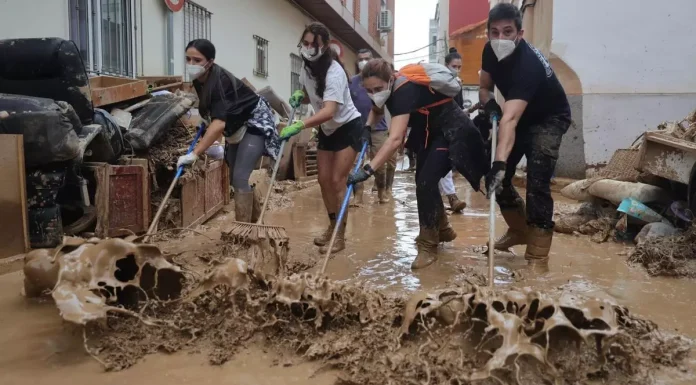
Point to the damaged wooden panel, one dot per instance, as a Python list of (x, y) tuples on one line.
[(205, 195), (161, 83), (109, 90), (14, 237), (667, 157), (122, 198)]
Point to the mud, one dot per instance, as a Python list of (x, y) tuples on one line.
[(672, 256), (596, 218)]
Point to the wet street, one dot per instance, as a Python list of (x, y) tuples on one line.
[(40, 348)]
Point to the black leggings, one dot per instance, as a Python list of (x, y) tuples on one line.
[(540, 144), (432, 164)]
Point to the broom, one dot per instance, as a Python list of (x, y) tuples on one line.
[(265, 242)]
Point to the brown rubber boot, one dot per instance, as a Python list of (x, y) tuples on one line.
[(456, 205), (427, 249), (243, 206), (325, 237), (538, 244), (390, 178), (339, 243), (381, 184), (516, 233), (446, 233), (255, 206)]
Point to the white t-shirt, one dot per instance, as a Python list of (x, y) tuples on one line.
[(336, 91)]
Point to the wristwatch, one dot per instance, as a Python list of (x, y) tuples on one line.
[(368, 169)]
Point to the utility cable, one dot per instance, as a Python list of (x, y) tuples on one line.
[(416, 50)]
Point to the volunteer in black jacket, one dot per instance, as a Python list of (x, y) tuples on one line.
[(534, 118), (441, 134)]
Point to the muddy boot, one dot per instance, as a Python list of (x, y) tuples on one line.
[(358, 192), (538, 245), (374, 188), (383, 195), (516, 233), (456, 205), (390, 178), (255, 206), (446, 232), (243, 206), (325, 237), (339, 243), (427, 249)]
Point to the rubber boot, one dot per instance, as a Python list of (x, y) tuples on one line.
[(411, 162), (255, 206), (243, 206), (446, 233), (325, 237), (456, 205), (516, 233), (538, 245), (427, 249), (339, 243), (390, 178)]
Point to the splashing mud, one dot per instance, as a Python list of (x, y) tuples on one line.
[(673, 256), (460, 334)]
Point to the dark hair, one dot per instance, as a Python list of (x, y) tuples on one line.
[(204, 46), (379, 68), (505, 11), (320, 68), (453, 55)]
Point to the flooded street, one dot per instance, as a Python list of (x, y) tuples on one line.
[(40, 348)]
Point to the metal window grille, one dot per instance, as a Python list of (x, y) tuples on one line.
[(197, 22), (104, 31), (261, 68), (295, 68)]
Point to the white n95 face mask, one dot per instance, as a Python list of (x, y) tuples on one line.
[(502, 48), (361, 64), (194, 70), (310, 53)]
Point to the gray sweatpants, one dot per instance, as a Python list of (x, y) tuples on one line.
[(242, 158)]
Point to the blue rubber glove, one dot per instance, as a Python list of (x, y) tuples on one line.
[(292, 130), (361, 175)]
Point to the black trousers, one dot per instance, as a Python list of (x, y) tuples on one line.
[(432, 164), (540, 144)]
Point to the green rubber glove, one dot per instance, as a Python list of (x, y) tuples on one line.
[(297, 98), (292, 130)]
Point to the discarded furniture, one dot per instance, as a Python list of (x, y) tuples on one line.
[(107, 90), (304, 162), (205, 194), (14, 237)]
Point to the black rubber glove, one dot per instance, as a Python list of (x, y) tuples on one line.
[(366, 135), (361, 175), (494, 179), (492, 109)]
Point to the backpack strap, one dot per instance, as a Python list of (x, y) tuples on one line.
[(400, 81)]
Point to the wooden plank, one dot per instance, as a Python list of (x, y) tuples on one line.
[(307, 178), (146, 184), (14, 232), (670, 141), (109, 90), (299, 161), (101, 196), (193, 201), (126, 200)]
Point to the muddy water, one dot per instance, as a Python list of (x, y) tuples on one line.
[(379, 251)]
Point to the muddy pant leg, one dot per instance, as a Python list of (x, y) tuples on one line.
[(542, 154), (432, 165)]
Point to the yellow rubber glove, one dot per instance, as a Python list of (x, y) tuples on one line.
[(297, 98), (292, 130)]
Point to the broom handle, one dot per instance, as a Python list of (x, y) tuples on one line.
[(491, 210), (276, 166), (179, 171), (344, 206)]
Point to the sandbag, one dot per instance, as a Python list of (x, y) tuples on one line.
[(615, 191), (578, 190), (155, 118), (49, 133), (655, 230), (49, 68)]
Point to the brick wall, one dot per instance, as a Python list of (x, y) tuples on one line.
[(356, 10)]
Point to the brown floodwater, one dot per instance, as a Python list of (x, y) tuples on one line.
[(40, 348)]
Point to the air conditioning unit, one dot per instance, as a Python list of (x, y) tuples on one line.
[(386, 21)]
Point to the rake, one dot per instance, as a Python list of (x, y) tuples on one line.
[(264, 242)]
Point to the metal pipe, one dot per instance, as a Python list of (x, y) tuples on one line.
[(170, 43), (90, 34), (133, 40), (99, 51)]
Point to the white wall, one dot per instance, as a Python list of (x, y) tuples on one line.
[(154, 30), (34, 18), (442, 31), (635, 61)]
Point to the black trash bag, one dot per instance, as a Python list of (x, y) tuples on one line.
[(49, 68), (47, 126), (155, 118), (112, 133)]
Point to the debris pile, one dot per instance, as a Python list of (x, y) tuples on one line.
[(461, 334), (684, 129), (673, 256)]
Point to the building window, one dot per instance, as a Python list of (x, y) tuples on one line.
[(104, 31), (295, 68), (261, 67), (196, 22)]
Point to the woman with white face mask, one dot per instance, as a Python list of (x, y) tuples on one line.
[(440, 133), (235, 111), (325, 85)]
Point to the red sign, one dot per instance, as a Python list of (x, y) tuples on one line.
[(338, 47), (175, 5)]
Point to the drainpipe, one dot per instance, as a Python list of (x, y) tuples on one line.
[(170, 42)]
